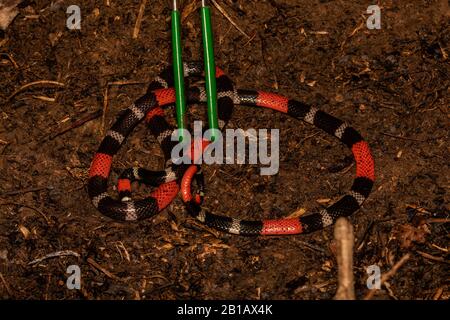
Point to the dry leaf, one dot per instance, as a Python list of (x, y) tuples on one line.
[(407, 234), (8, 11), (25, 232)]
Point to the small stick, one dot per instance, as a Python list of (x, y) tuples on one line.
[(343, 234), (400, 137), (78, 123), (137, 26), (438, 293), (361, 242), (11, 59), (29, 207), (227, 16), (250, 40), (21, 191), (49, 82), (105, 110), (6, 285), (120, 245), (438, 220), (106, 98), (123, 83), (63, 253), (385, 277), (44, 98), (311, 246), (431, 257), (93, 263)]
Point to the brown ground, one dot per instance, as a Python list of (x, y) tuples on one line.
[(391, 84)]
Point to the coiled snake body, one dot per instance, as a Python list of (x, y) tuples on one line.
[(161, 94)]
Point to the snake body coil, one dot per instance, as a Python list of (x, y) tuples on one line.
[(161, 94)]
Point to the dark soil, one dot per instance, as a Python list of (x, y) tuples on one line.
[(391, 84)]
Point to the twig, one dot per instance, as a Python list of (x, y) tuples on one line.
[(106, 98), (311, 246), (385, 277), (431, 257), (105, 110), (29, 207), (123, 83), (359, 27), (438, 220), (120, 245), (63, 253), (21, 191), (343, 234), (367, 231), (44, 98), (227, 16), (102, 269), (6, 285), (400, 137), (137, 26), (250, 40), (438, 293), (194, 225), (11, 59), (78, 123), (308, 137), (50, 82)]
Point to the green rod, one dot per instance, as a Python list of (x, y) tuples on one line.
[(178, 71), (210, 69)]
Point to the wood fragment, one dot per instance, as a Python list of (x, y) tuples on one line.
[(91, 116), (49, 222), (119, 246), (297, 213), (400, 137), (137, 26), (438, 220), (105, 110), (25, 231), (386, 276), (44, 98), (5, 284), (312, 247), (431, 257), (193, 6), (439, 248), (63, 253), (93, 263), (361, 242), (106, 98), (438, 293), (227, 16), (22, 191), (11, 59), (35, 83), (343, 234), (125, 82)]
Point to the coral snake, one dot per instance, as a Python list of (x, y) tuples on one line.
[(150, 106)]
